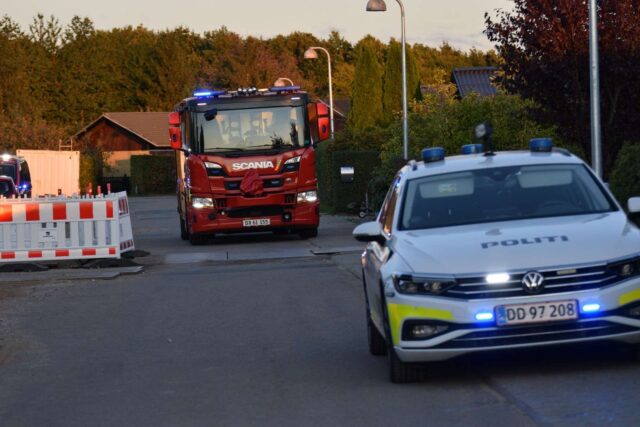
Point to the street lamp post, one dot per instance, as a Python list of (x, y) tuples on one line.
[(380, 6), (312, 54), (594, 77)]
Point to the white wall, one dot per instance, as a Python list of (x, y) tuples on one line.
[(53, 170)]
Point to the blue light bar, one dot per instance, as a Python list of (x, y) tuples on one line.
[(435, 154), (484, 316), (541, 145), (284, 88), (207, 93), (590, 308), (472, 149)]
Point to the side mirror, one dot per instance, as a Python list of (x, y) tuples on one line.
[(369, 232), (633, 205), (324, 125), (175, 136), (174, 119)]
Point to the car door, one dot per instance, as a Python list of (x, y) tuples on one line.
[(376, 255)]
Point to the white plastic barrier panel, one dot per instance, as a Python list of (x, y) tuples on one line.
[(54, 229)]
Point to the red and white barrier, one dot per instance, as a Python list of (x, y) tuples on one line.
[(60, 228)]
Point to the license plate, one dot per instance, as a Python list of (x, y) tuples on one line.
[(260, 222), (516, 314)]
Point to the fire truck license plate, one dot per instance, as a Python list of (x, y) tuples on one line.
[(256, 222), (538, 312)]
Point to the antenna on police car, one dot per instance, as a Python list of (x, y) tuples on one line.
[(484, 131)]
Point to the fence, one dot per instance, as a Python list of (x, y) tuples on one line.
[(60, 228)]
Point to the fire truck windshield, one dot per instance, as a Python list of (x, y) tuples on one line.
[(254, 129)]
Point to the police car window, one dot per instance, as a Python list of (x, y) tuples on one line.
[(388, 206), (501, 194)]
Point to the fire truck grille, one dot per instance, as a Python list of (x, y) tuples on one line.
[(255, 211)]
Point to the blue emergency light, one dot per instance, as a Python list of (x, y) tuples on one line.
[(208, 93), (541, 145), (284, 88), (472, 149), (435, 154)]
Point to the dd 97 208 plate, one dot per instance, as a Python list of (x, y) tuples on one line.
[(515, 314)]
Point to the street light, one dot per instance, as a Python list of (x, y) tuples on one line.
[(380, 6), (283, 81), (312, 54), (594, 77)]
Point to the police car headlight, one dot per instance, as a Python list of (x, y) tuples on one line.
[(201, 202), (626, 268), (308, 196), (422, 285)]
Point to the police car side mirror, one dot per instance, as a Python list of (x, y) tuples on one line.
[(633, 206), (369, 232)]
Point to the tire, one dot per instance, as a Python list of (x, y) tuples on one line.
[(184, 232), (198, 239), (377, 343), (634, 350), (308, 233), (401, 372)]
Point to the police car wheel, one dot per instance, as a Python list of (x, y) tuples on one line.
[(635, 352), (377, 344), (401, 372)]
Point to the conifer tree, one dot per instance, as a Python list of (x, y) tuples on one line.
[(392, 89), (366, 92)]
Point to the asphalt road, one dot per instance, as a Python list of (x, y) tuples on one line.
[(264, 330)]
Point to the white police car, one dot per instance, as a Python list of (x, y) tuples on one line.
[(497, 251)]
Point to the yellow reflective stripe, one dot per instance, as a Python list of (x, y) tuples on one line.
[(399, 312), (629, 297)]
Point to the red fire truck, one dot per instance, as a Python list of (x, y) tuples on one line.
[(245, 161)]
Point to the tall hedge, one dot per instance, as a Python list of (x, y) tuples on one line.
[(153, 174), (366, 91), (625, 177), (90, 170)]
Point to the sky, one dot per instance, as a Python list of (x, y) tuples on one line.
[(431, 22)]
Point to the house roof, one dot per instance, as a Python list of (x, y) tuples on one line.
[(149, 126), (475, 79)]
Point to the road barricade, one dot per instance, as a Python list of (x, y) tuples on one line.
[(61, 228)]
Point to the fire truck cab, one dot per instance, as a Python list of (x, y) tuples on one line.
[(245, 161)]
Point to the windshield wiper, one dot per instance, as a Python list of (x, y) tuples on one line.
[(225, 148)]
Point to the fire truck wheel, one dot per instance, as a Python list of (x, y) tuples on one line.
[(184, 233), (198, 239), (307, 233)]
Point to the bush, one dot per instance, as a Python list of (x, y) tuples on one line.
[(347, 197), (441, 121), (153, 174), (90, 170), (625, 177)]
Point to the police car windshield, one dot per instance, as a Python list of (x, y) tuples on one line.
[(250, 129), (8, 170), (501, 194)]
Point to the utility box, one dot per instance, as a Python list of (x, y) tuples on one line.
[(53, 171)]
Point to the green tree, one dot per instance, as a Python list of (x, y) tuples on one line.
[(366, 94), (392, 89)]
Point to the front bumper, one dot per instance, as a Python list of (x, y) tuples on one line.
[(273, 207), (466, 335)]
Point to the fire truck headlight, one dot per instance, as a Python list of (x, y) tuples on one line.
[(308, 197), (201, 202)]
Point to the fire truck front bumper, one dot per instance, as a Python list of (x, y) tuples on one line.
[(254, 214)]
